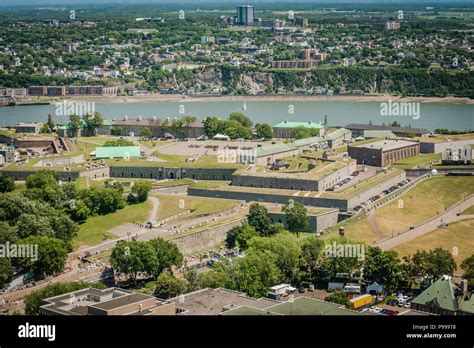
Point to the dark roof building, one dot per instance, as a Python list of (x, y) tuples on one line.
[(384, 152), (111, 301), (359, 128)]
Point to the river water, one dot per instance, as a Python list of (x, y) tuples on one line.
[(453, 116)]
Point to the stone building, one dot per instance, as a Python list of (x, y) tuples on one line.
[(384, 152)]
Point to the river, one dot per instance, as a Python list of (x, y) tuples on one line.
[(453, 116)]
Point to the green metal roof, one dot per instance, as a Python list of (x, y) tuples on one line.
[(274, 149), (307, 141), (442, 291), (291, 124), (378, 134), (340, 132), (117, 151), (467, 305)]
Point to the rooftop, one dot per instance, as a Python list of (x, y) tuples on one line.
[(307, 141), (214, 301), (84, 301), (361, 126), (441, 291), (274, 149), (117, 151), (340, 132), (294, 124), (379, 134), (387, 144)]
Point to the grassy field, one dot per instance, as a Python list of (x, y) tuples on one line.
[(417, 161), (173, 204), (185, 181), (419, 204), (458, 238), (356, 228), (468, 211), (423, 202), (92, 232)]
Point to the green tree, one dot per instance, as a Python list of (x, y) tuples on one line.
[(117, 131), (51, 256), (93, 122), (311, 258), (178, 128), (382, 267), (239, 236), (264, 130), (6, 183), (75, 122), (188, 120), (118, 142), (296, 217), (140, 190), (167, 254), (341, 255), (168, 286), (133, 258), (6, 272), (50, 124), (468, 267), (212, 126), (193, 280), (213, 279), (42, 179), (258, 218), (339, 297), (241, 118), (284, 250), (7, 233), (255, 273), (432, 264), (146, 133)]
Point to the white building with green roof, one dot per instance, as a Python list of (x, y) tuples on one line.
[(110, 152)]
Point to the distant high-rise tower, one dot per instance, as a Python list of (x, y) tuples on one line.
[(245, 15)]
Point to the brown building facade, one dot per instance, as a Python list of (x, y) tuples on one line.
[(385, 152)]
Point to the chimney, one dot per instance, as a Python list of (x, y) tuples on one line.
[(464, 286)]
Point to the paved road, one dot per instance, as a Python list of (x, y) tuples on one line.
[(448, 216)]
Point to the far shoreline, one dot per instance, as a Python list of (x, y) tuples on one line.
[(266, 98)]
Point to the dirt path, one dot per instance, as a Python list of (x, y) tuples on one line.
[(373, 224)]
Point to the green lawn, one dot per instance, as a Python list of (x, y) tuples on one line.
[(458, 238), (468, 211), (185, 181), (419, 204), (173, 204), (423, 202), (417, 161), (92, 232)]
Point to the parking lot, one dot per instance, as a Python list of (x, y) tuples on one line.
[(360, 175)]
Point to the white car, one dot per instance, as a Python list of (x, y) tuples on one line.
[(375, 309)]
